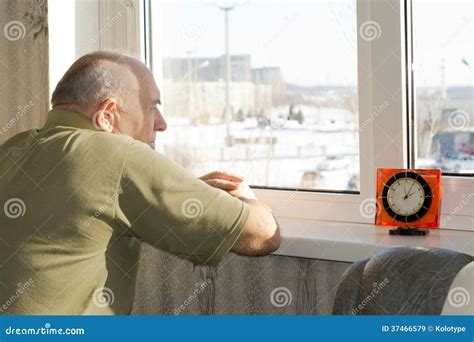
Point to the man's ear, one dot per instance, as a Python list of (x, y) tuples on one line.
[(106, 115)]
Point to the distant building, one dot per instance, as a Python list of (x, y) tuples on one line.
[(191, 69), (210, 69), (204, 102), (454, 143), (445, 124), (195, 87), (271, 76), (241, 70)]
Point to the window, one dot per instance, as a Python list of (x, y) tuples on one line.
[(280, 106), (444, 83), (357, 70), (363, 99)]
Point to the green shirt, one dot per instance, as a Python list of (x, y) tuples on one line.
[(75, 203)]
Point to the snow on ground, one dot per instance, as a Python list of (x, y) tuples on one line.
[(298, 148)]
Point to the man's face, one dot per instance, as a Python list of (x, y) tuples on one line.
[(141, 117)]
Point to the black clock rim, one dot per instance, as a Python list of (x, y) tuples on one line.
[(426, 203)]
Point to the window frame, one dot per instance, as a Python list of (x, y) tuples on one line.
[(393, 76), (384, 68), (340, 205), (456, 212)]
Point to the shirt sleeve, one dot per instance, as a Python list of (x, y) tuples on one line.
[(166, 206)]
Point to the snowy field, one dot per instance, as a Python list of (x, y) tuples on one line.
[(328, 151)]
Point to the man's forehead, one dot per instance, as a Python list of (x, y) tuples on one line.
[(152, 87)]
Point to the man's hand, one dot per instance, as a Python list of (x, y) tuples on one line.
[(243, 192), (261, 234), (223, 180), (229, 182)]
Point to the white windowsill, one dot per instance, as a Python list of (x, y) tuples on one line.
[(350, 242)]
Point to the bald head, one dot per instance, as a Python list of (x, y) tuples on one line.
[(96, 77), (117, 92)]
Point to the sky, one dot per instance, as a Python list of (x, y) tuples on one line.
[(314, 42), (443, 29)]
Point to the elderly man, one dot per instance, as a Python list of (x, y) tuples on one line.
[(80, 193)]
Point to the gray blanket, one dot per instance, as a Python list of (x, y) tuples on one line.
[(402, 281)]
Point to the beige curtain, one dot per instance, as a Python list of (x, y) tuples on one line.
[(24, 92)]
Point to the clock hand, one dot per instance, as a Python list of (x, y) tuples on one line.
[(406, 196)]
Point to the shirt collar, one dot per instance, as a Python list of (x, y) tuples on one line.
[(60, 117)]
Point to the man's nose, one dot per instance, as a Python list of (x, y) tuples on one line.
[(160, 123)]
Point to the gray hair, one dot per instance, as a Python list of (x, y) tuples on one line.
[(92, 79)]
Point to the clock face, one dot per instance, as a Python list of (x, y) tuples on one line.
[(406, 196)]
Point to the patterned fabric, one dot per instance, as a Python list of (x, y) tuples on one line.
[(402, 281), (270, 285)]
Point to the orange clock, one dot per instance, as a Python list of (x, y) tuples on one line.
[(408, 199)]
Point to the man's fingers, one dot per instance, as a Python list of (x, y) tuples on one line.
[(223, 175), (222, 184)]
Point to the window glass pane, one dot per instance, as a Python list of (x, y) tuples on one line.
[(290, 117), (444, 80)]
